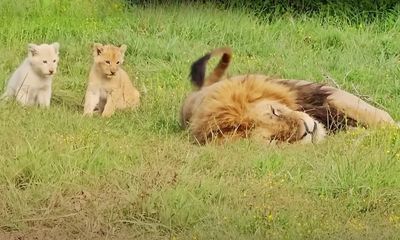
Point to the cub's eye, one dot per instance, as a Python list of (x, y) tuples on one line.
[(275, 112), (108, 62), (54, 61), (118, 62), (44, 61)]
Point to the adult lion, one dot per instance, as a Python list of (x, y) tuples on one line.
[(270, 109)]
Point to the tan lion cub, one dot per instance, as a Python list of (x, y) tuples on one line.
[(109, 87), (30, 84)]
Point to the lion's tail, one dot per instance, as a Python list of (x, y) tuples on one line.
[(198, 68)]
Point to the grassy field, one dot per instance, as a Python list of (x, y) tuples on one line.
[(137, 175)]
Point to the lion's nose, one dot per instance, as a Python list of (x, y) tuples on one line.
[(308, 130)]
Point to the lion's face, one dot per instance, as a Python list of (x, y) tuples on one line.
[(278, 123), (248, 107), (109, 58), (44, 58)]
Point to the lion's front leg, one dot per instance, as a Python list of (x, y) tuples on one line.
[(357, 109), (91, 99), (110, 106)]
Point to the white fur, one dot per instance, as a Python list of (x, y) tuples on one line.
[(30, 84), (318, 132)]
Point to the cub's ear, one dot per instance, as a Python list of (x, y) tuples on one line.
[(56, 46), (123, 48), (32, 49), (97, 49)]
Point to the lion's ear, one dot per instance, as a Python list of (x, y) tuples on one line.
[(32, 49), (56, 46), (97, 49), (123, 48)]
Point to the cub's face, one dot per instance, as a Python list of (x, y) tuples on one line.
[(108, 58), (44, 58)]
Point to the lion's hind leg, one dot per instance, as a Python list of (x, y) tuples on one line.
[(132, 98)]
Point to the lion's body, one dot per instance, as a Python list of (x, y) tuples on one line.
[(274, 110), (109, 87), (31, 82)]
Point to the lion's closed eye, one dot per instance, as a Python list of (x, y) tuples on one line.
[(275, 112)]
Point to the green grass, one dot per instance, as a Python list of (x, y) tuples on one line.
[(137, 175)]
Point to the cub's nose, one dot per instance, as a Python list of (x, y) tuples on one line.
[(51, 72), (112, 72)]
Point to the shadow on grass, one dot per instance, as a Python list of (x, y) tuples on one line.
[(73, 102)]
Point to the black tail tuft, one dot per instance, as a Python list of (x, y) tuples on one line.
[(198, 70)]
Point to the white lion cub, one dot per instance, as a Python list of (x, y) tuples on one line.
[(30, 84)]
